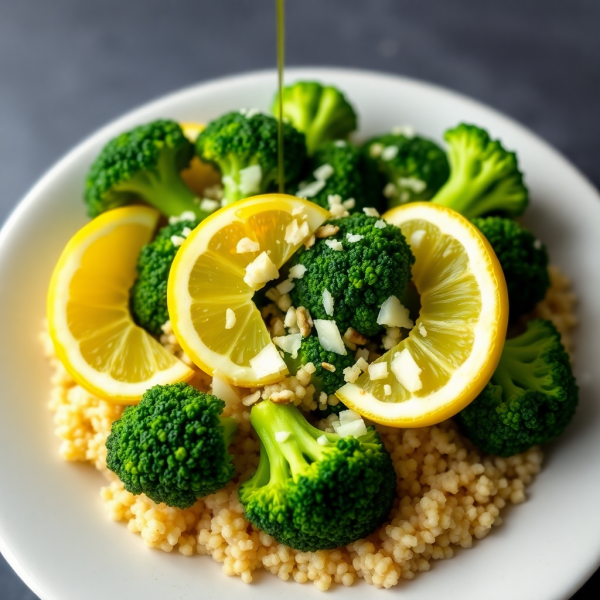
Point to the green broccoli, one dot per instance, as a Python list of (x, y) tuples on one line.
[(324, 380), (173, 445), (523, 259), (375, 263), (340, 169), (484, 177), (243, 146), (143, 163), (319, 111), (410, 167), (531, 398), (148, 296), (314, 490)]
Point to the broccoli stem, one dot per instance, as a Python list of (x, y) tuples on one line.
[(164, 189), (293, 455)]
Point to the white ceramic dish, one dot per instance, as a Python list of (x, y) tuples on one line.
[(53, 529)]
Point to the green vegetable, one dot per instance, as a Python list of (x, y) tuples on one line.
[(351, 177), (311, 496), (524, 261), (531, 398), (148, 296), (243, 146), (360, 278), (410, 168), (484, 177), (326, 381), (321, 112), (143, 163), (173, 445)]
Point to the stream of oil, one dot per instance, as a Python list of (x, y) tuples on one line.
[(280, 65)]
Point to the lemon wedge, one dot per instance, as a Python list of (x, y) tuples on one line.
[(88, 310), (199, 175), (455, 344), (214, 276)]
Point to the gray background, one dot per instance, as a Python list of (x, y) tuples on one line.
[(69, 66)]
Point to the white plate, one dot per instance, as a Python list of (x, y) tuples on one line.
[(53, 529)]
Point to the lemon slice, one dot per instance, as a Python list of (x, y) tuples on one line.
[(455, 345), (199, 175), (207, 282), (88, 310)]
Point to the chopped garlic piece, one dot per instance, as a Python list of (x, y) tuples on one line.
[(349, 204), (324, 172), (389, 152), (334, 200), (285, 286), (405, 130), (297, 272), (351, 374), (371, 212), (354, 237), (329, 336), (250, 179), (348, 416), (389, 191), (322, 440), (422, 330), (222, 389), (289, 343), (187, 215), (260, 270), (334, 244), (361, 363), (295, 233), (267, 362), (230, 319), (282, 436), (250, 399), (412, 183), (362, 353), (311, 190), (177, 240), (247, 245), (209, 205), (290, 318), (393, 314), (381, 224), (353, 429), (407, 371), (328, 302), (387, 390), (378, 371), (375, 150), (417, 237)]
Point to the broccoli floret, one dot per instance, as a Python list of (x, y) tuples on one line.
[(319, 111), (144, 163), (173, 445), (148, 296), (524, 261), (375, 263), (531, 398), (243, 146), (323, 379), (311, 496), (350, 177), (484, 177), (410, 168)]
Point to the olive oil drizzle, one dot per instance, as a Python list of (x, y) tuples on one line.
[(280, 64)]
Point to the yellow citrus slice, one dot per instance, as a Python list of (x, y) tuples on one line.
[(88, 310), (208, 282), (455, 345), (199, 175)]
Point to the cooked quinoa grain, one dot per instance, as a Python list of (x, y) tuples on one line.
[(449, 494)]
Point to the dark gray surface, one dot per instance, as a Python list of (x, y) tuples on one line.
[(69, 66)]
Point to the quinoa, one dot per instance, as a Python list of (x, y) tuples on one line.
[(449, 493)]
